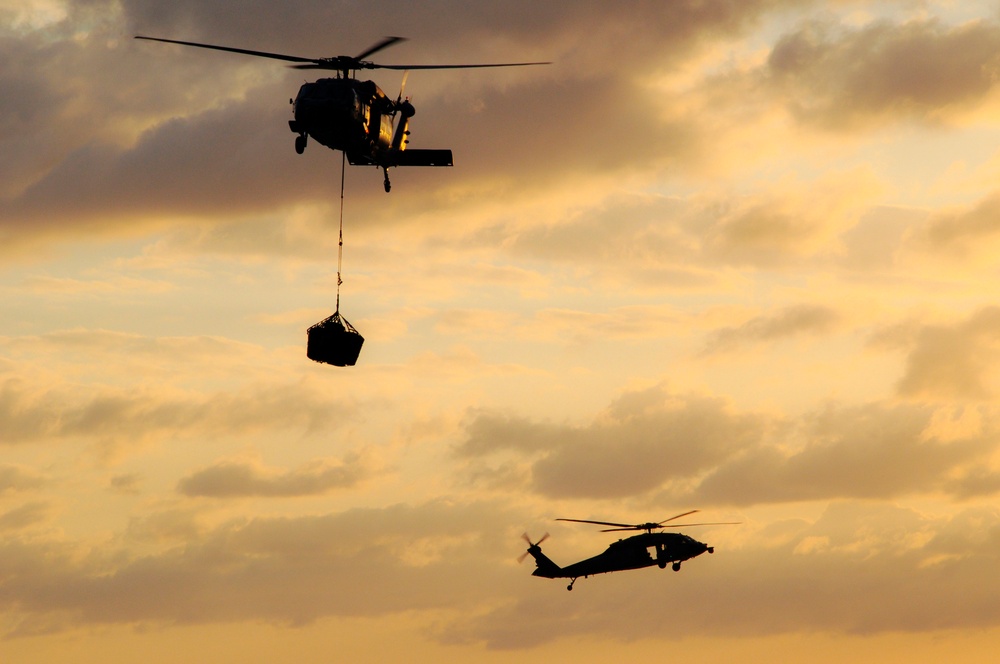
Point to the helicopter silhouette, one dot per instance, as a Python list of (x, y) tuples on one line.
[(630, 553), (351, 115)]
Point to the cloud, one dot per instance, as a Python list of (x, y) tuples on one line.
[(788, 223), (906, 572), (636, 227), (642, 440), (882, 231), (949, 361), (604, 38), (858, 569), (960, 233), (872, 451), (126, 483), (789, 322), (218, 162), (24, 516), (83, 287), (173, 133), (975, 483), (698, 242), (678, 449), (74, 81), (362, 562), (606, 217), (219, 150), (846, 79), (118, 418), (228, 479), (17, 478)]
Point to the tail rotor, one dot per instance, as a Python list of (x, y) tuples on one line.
[(531, 545)]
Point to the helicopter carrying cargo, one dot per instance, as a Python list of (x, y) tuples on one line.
[(359, 119)]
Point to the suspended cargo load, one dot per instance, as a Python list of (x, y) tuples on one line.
[(334, 341)]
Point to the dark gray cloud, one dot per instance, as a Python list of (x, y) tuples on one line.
[(219, 162), (842, 79), (609, 38), (119, 130), (228, 479), (71, 163), (78, 82)]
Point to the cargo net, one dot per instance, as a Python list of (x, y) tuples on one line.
[(334, 341)]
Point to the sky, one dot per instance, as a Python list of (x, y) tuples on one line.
[(739, 257)]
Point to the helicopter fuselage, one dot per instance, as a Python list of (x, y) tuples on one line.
[(345, 114), (358, 118), (636, 552)]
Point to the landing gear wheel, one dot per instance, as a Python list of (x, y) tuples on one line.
[(300, 143), (570, 586), (676, 567), (386, 183)]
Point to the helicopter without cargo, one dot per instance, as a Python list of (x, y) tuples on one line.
[(636, 552)]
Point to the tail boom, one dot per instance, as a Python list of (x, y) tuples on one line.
[(544, 566)]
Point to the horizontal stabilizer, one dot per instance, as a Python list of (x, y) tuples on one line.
[(423, 158), (360, 160)]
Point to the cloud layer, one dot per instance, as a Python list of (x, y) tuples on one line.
[(728, 256)]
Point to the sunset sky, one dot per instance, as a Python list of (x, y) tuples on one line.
[(740, 256)]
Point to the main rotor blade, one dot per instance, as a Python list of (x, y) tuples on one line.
[(714, 523), (672, 525), (388, 41), (260, 54), (624, 526), (372, 65), (340, 62), (677, 517)]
